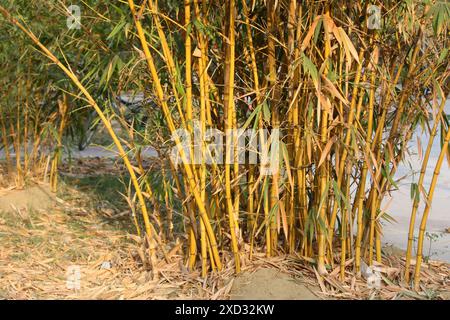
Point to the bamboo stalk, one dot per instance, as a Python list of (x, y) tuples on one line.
[(426, 211), (188, 170), (103, 118), (230, 141), (423, 169)]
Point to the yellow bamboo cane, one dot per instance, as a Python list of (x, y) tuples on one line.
[(105, 121), (423, 169), (426, 212), (230, 144), (168, 116)]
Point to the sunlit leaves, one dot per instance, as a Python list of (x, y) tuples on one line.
[(440, 13)]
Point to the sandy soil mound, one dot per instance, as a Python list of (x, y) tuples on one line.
[(34, 198), (268, 284)]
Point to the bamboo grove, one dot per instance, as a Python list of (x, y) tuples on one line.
[(344, 87)]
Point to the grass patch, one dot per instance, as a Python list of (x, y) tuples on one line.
[(100, 188)]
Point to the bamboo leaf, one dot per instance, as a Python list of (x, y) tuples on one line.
[(311, 69), (284, 220), (309, 34), (326, 151), (255, 114), (348, 46), (266, 112), (333, 90)]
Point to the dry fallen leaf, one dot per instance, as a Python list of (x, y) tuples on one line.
[(197, 53)]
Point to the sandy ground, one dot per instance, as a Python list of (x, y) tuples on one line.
[(46, 238), (38, 196), (70, 251), (270, 284)]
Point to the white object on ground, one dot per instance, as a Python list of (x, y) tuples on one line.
[(372, 277)]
